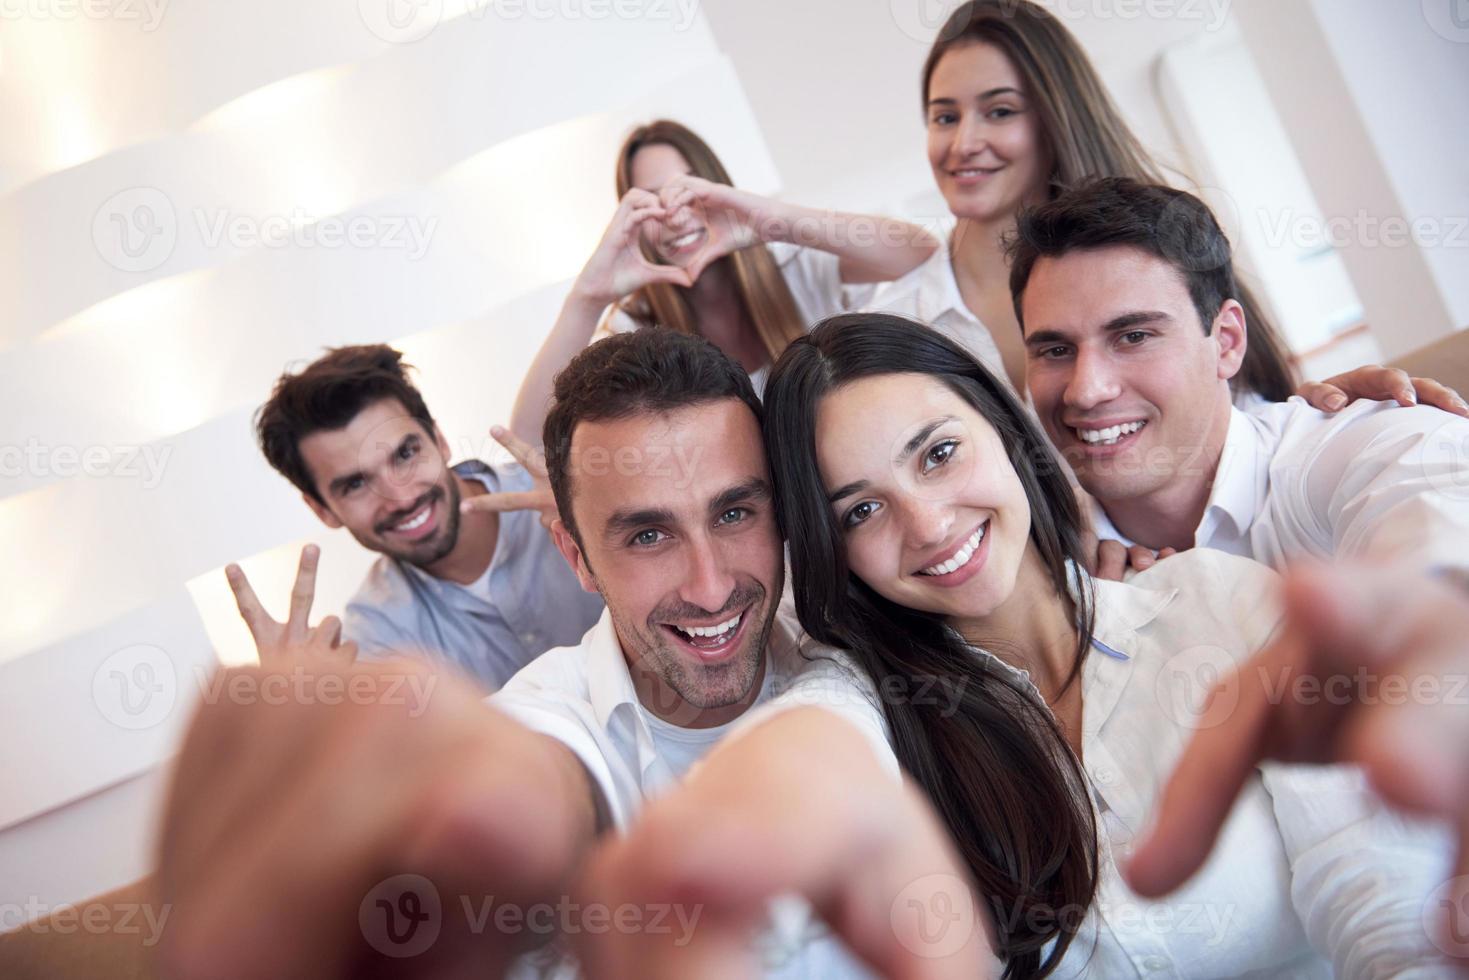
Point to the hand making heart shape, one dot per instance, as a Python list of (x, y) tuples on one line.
[(704, 221)]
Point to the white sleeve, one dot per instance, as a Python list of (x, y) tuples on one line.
[(1360, 873), (614, 320), (815, 281), (1393, 483), (835, 684)]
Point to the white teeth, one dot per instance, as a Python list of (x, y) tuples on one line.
[(416, 522), (683, 240), (961, 557), (1110, 434), (718, 630)]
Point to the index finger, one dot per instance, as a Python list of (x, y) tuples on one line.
[(1204, 785), (525, 454)]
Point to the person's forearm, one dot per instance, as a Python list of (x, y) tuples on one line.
[(569, 336), (870, 248)]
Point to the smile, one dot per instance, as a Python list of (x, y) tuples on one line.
[(685, 240), (414, 523), (713, 641), (960, 558), (1110, 435)]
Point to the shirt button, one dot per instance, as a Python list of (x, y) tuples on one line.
[(1104, 775), (1155, 964)]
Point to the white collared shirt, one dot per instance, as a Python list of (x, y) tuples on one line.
[(930, 294), (815, 280), (1375, 481), (1311, 870), (584, 697)]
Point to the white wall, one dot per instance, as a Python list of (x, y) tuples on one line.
[(169, 190)]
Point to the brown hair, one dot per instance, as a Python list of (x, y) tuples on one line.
[(763, 292), (1087, 138), (327, 394), (995, 763), (653, 370), (1165, 222)]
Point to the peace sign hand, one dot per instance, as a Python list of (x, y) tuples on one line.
[(538, 498), (285, 644)]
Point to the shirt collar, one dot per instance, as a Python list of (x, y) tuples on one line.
[(938, 289), (1240, 480)]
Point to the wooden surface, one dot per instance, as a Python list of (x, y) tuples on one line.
[(1445, 361)]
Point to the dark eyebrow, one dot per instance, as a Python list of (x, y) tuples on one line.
[(337, 486), (908, 450), (1115, 325), (627, 520), (751, 490), (919, 439), (989, 94)]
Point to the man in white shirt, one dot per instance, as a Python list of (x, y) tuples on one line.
[(1125, 294), (317, 836)]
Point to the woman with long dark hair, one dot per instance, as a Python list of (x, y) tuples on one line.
[(689, 251), (932, 536)]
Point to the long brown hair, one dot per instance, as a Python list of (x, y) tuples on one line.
[(1087, 138), (995, 764), (762, 290)]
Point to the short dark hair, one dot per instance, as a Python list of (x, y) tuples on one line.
[(649, 370), (327, 394), (1170, 224)]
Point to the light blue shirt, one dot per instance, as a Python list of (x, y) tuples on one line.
[(534, 600)]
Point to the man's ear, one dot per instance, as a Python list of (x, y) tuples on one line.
[(319, 509), (571, 551), (1231, 338)]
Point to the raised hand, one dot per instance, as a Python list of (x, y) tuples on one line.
[(796, 806), (358, 823), (617, 266), (538, 498), (283, 644), (732, 218), (1343, 626), (1377, 383)]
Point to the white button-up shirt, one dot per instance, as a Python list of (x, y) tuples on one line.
[(584, 698), (930, 294), (1311, 871), (1374, 481)]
